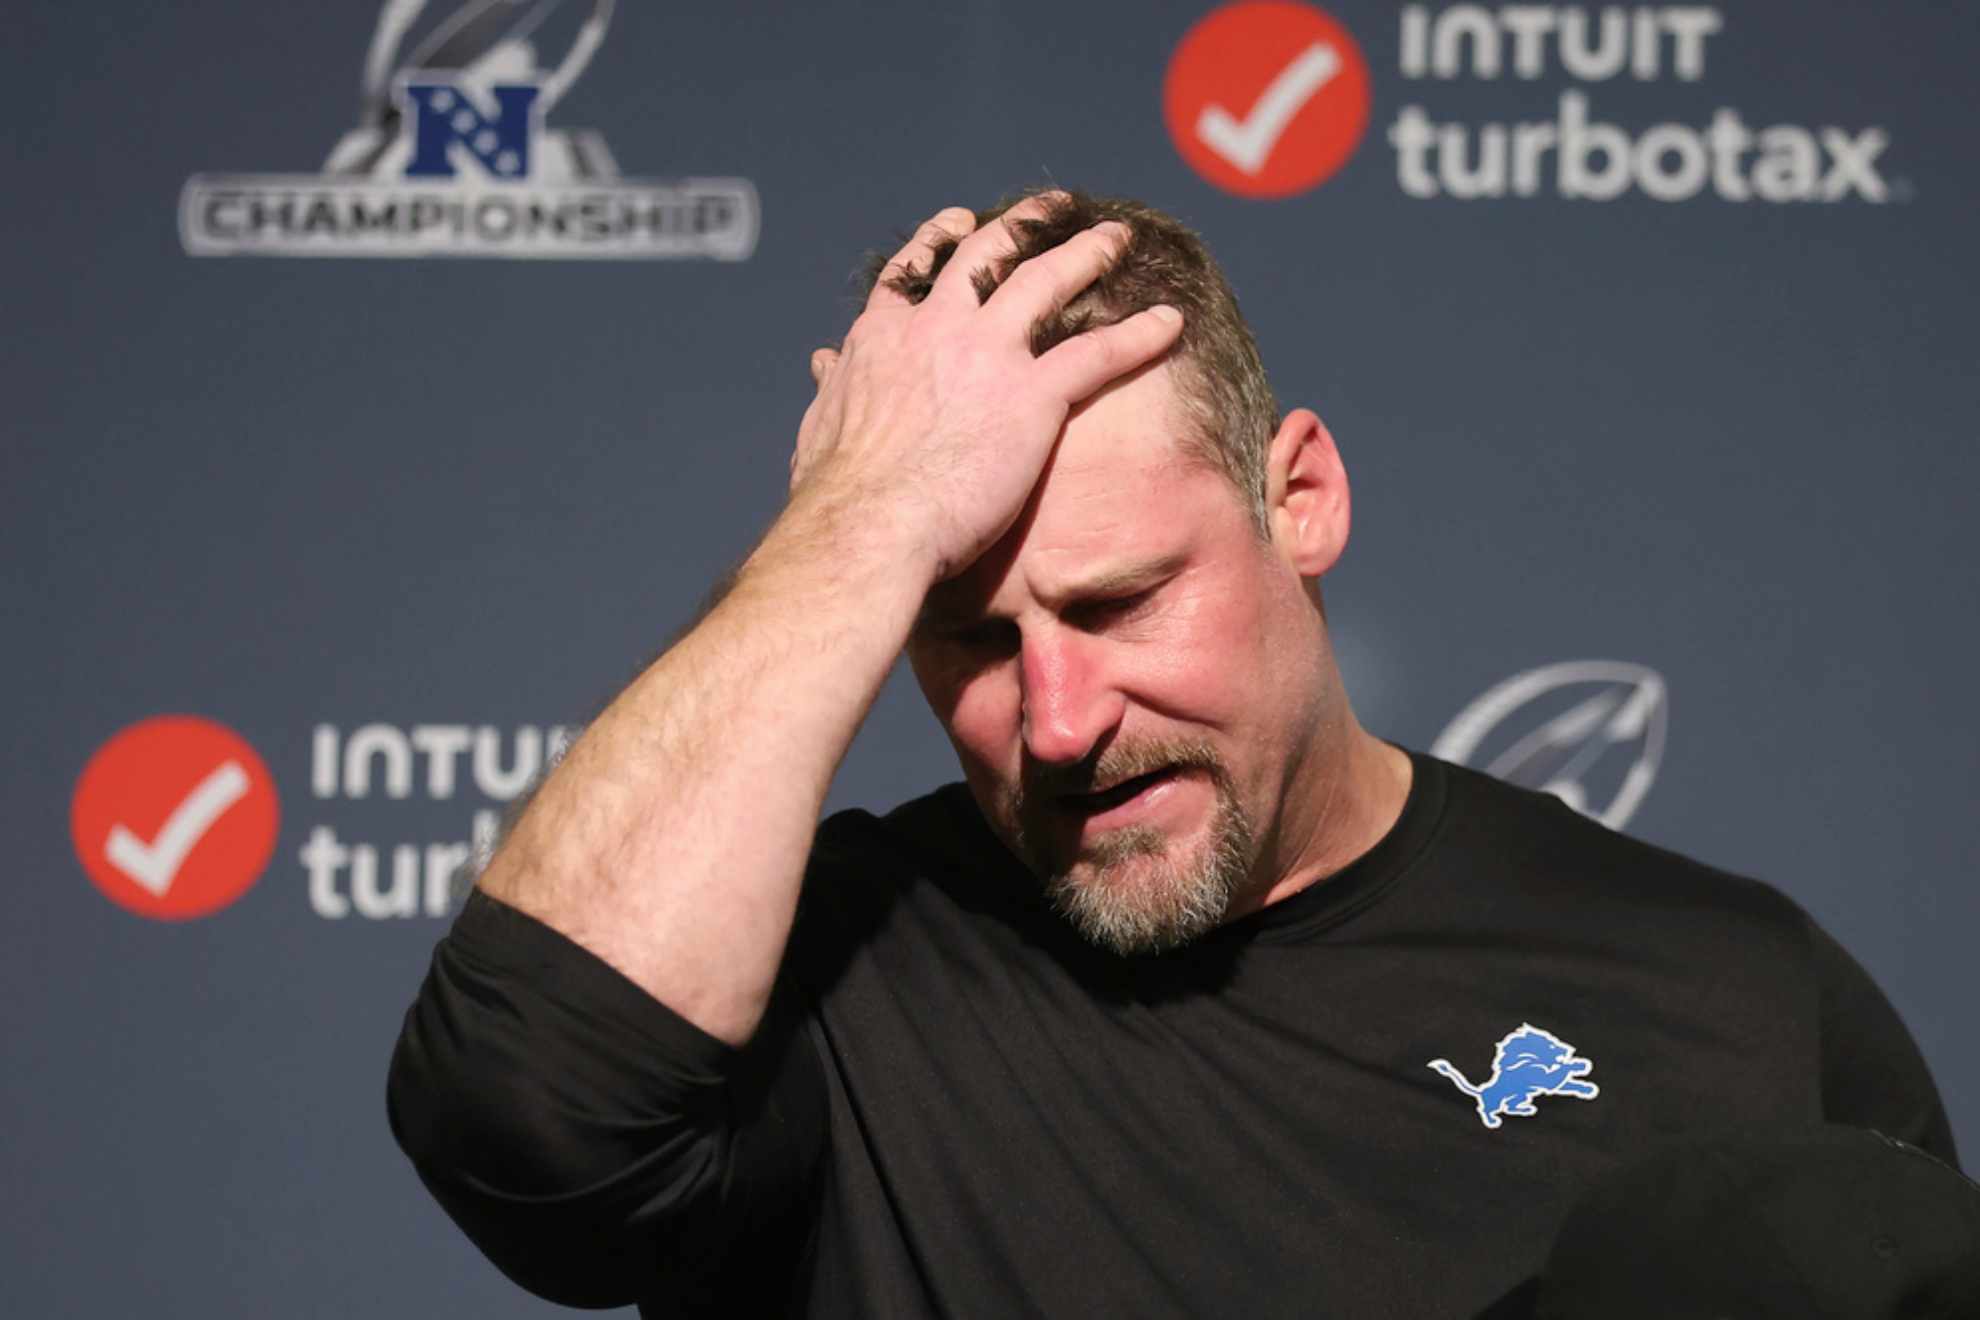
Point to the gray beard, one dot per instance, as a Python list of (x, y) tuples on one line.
[(1127, 895)]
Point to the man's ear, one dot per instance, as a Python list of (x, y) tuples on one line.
[(1306, 494)]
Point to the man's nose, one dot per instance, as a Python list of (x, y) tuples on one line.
[(1069, 704)]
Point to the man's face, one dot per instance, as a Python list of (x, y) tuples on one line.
[(1128, 678)]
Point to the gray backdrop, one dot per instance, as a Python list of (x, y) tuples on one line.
[(1730, 442)]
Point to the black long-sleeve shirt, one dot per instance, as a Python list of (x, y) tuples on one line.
[(957, 1107)]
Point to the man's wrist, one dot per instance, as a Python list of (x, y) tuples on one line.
[(864, 540), (822, 563)]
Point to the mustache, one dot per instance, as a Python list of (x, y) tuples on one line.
[(1116, 764)]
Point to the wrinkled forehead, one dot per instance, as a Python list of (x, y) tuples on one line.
[(1137, 445)]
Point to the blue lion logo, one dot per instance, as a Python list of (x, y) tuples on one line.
[(1528, 1063)]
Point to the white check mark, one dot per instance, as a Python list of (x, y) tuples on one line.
[(1246, 143), (155, 865)]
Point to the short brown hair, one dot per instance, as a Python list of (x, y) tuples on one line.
[(1220, 379)]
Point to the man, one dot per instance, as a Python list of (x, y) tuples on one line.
[(1197, 1000)]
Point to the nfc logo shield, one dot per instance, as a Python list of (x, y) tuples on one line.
[(445, 117)]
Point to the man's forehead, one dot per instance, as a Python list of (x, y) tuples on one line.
[(1127, 533)]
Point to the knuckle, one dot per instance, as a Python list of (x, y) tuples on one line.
[(870, 325)]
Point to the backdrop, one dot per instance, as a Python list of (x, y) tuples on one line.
[(383, 387)]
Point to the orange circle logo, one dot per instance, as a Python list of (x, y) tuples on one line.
[(175, 817), (1266, 98)]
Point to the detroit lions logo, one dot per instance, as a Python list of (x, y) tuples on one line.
[(1528, 1063)]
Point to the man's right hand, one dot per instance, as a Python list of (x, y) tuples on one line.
[(935, 420)]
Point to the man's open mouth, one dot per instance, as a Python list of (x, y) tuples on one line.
[(1092, 804)]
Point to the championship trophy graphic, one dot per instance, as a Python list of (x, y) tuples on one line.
[(451, 156)]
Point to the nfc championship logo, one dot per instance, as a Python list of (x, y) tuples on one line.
[(1591, 732), (451, 156)]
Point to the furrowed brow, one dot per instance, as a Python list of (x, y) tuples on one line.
[(938, 613), (1120, 579)]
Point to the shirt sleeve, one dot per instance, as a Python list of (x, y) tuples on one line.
[(1872, 1073), (599, 1148)]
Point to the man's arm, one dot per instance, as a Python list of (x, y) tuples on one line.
[(671, 841)]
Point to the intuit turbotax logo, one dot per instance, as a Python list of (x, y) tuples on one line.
[(452, 156), (1569, 150), (178, 816)]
